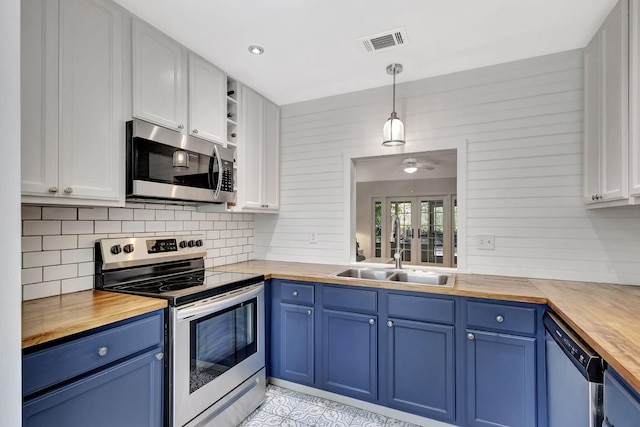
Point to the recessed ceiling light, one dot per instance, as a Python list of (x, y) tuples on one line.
[(256, 50)]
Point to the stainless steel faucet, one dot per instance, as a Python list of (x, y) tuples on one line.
[(395, 233)]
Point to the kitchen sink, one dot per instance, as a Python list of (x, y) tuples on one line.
[(403, 276), (366, 273)]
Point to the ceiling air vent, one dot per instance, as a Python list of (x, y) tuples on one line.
[(385, 40)]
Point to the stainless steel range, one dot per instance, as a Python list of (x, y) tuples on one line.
[(216, 334)]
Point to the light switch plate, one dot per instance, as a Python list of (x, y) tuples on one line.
[(486, 241), (313, 237)]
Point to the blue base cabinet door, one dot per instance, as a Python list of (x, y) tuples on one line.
[(128, 394), (296, 351), (501, 380), (349, 354), (421, 368)]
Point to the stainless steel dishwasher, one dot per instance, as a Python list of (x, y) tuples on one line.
[(574, 377)]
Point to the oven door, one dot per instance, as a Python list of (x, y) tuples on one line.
[(217, 345)]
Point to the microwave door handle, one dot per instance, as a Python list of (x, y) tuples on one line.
[(218, 185)]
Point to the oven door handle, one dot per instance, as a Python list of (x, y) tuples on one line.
[(218, 304)]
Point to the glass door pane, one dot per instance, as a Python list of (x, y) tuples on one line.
[(455, 232), (401, 209), (377, 218), (432, 225)]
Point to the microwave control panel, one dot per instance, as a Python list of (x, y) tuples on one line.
[(227, 176)]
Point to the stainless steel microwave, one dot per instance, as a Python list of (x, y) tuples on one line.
[(163, 164)]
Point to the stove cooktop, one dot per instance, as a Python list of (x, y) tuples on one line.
[(187, 287)]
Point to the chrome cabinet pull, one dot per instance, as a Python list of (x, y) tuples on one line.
[(180, 126), (372, 321), (68, 190), (389, 323), (470, 336), (102, 351), (499, 319), (159, 356), (309, 312), (53, 189), (295, 293), (195, 131)]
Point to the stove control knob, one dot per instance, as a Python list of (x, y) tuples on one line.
[(183, 244), (128, 248), (116, 249), (199, 242), (191, 243)]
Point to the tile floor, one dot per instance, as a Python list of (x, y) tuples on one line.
[(288, 408)]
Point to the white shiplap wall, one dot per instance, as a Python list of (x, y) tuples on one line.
[(518, 131)]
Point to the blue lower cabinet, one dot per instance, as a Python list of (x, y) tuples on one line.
[(128, 394), (501, 380), (296, 347), (421, 368), (349, 354)]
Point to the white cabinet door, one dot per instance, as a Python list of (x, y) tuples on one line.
[(39, 93), (207, 95), (271, 177), (159, 87), (91, 125), (250, 157), (606, 146), (73, 130)]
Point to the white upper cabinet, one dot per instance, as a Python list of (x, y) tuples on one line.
[(207, 100), (606, 112), (634, 97), (72, 124), (159, 78), (259, 154)]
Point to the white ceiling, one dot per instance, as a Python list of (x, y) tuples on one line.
[(433, 164), (311, 48)]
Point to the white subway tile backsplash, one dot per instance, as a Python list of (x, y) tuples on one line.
[(31, 275), (120, 214), (77, 255), (144, 215), (31, 212), (77, 227), (31, 244), (108, 227), (77, 284), (94, 214), (59, 213), (59, 242), (40, 259), (57, 272), (41, 290), (40, 228)]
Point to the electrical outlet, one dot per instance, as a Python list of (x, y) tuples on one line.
[(313, 237), (486, 241)]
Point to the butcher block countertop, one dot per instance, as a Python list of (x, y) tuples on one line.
[(606, 316), (47, 319)]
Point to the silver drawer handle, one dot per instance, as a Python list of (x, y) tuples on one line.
[(390, 323), (195, 131), (53, 189), (499, 319), (102, 351), (159, 356), (308, 312), (470, 336), (295, 293), (180, 126), (372, 321), (68, 190)]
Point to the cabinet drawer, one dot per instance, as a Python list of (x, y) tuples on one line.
[(297, 293), (359, 300), (621, 405), (65, 361), (421, 308), (501, 317)]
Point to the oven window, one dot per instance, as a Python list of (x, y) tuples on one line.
[(220, 341), (154, 162)]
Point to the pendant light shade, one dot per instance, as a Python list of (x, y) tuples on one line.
[(393, 130)]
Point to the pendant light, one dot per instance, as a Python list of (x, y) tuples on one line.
[(393, 131)]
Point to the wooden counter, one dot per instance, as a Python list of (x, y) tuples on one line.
[(606, 316), (47, 319)]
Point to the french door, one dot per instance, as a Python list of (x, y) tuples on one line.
[(427, 232)]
